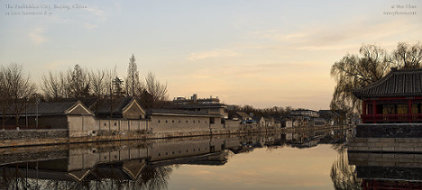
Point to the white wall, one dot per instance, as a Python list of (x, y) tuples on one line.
[(162, 124)]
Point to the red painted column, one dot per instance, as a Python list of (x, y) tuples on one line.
[(364, 107), (374, 110), (409, 112), (364, 113)]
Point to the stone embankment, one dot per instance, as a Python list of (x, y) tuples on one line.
[(17, 138)]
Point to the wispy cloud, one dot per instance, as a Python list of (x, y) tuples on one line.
[(97, 16), (90, 26), (219, 53), (37, 36), (95, 11), (342, 36)]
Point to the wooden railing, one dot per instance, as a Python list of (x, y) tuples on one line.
[(391, 118)]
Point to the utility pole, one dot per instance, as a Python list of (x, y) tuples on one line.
[(37, 101), (26, 112)]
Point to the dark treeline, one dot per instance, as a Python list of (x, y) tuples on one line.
[(275, 111), (17, 90)]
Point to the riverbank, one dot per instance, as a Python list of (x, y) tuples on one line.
[(21, 138)]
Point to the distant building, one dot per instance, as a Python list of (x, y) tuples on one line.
[(304, 113), (269, 121), (331, 117), (319, 122), (286, 123), (174, 121), (242, 116), (209, 105), (303, 117), (259, 120), (194, 99)]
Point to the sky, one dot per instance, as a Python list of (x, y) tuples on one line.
[(262, 53)]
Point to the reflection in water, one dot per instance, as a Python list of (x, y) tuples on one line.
[(102, 177), (388, 170), (343, 175), (155, 177), (150, 164)]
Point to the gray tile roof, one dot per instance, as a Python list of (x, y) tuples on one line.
[(44, 108), (103, 107), (178, 112), (398, 83)]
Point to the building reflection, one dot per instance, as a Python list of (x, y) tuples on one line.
[(388, 170), (136, 164)]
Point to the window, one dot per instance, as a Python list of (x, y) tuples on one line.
[(199, 121), (193, 121), (172, 121), (212, 120), (166, 121), (187, 121), (158, 121)]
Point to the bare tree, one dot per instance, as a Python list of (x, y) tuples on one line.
[(98, 83), (357, 71), (17, 88), (54, 86), (110, 75), (408, 56), (3, 95), (157, 90), (133, 85), (79, 84), (117, 87)]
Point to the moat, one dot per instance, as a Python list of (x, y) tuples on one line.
[(299, 160)]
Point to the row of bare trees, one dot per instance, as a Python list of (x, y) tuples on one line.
[(83, 83), (16, 88), (371, 64)]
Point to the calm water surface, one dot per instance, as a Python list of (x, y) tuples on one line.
[(297, 160)]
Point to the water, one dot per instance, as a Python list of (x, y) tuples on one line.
[(297, 160)]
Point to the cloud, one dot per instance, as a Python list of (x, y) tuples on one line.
[(90, 26), (213, 54), (37, 36), (95, 11), (342, 36)]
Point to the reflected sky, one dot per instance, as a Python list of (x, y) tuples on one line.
[(281, 168)]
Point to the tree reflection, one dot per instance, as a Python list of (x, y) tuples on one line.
[(343, 175), (340, 148), (151, 177), (154, 177)]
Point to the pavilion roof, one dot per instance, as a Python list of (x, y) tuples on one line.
[(397, 83)]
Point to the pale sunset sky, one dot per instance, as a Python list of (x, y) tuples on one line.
[(258, 52)]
